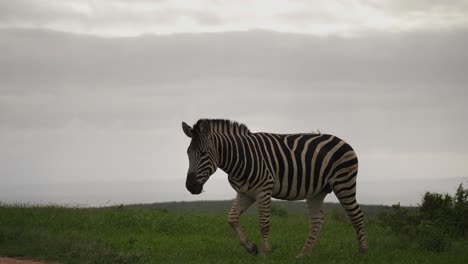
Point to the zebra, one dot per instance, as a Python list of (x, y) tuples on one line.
[(262, 166)]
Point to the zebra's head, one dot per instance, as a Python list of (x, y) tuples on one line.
[(201, 154)]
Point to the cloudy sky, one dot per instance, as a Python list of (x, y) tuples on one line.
[(92, 93)]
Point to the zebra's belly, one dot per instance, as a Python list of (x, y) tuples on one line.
[(296, 191), (290, 197), (284, 193)]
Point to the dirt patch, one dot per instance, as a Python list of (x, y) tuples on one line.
[(21, 261)]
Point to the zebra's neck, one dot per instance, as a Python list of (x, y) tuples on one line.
[(233, 144), (233, 156)]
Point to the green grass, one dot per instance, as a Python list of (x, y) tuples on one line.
[(125, 235), (221, 207)]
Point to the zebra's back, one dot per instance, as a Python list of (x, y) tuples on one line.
[(304, 165)]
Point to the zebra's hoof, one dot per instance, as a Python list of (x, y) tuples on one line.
[(252, 248)]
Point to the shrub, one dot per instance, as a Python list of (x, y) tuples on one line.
[(400, 219), (460, 214), (431, 237), (436, 206), (438, 217), (451, 213)]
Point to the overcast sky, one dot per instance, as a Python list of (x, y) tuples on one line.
[(93, 93)]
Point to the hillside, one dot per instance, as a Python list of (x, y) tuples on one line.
[(222, 207)]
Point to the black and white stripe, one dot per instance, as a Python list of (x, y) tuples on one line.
[(283, 166)]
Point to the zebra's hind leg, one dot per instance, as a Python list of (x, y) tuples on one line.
[(344, 187), (240, 205), (314, 205)]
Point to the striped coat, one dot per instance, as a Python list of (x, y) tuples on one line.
[(261, 166)]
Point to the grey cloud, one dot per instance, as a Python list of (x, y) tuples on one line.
[(138, 82), (401, 6), (98, 15), (50, 59), (206, 18), (369, 16), (36, 12)]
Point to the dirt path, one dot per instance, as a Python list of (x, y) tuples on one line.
[(20, 261)]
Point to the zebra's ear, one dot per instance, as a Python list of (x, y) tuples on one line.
[(187, 129)]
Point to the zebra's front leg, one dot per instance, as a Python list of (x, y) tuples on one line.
[(264, 206), (240, 205), (314, 206)]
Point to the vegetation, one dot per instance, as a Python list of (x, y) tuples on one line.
[(145, 234), (440, 219), (222, 207), (277, 210)]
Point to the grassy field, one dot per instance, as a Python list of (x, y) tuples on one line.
[(150, 235), (222, 207)]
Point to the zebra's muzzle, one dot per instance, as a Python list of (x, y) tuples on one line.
[(192, 185)]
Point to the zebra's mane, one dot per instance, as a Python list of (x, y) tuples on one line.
[(221, 123)]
